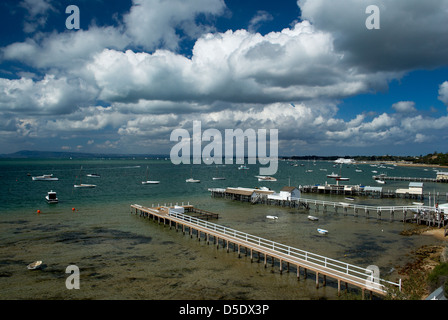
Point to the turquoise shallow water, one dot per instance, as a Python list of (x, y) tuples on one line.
[(122, 256)]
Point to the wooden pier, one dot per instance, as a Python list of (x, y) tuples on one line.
[(256, 247), (417, 179), (419, 214)]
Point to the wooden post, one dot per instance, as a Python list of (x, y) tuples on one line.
[(298, 272), (317, 280), (339, 287)]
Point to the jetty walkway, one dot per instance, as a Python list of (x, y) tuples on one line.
[(363, 278), (420, 214)]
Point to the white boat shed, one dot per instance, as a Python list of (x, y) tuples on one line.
[(415, 188)]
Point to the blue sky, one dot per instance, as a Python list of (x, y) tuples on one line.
[(138, 69)]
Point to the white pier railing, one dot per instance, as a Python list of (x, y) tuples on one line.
[(362, 276)]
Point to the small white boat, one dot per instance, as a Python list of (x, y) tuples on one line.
[(342, 179), (309, 170), (272, 217), (150, 182), (192, 180), (349, 198), (94, 175), (219, 178), (322, 231), (333, 175), (84, 185), (45, 177), (51, 197), (266, 178), (35, 265), (381, 181), (243, 167), (418, 203), (313, 218)]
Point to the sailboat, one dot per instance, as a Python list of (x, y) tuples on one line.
[(83, 185), (191, 179), (217, 177), (149, 181)]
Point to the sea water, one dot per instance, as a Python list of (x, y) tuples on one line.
[(123, 256)]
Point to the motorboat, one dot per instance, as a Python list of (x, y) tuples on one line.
[(51, 197), (243, 167), (266, 178), (333, 175), (350, 198), (45, 177), (192, 180), (313, 218), (272, 217), (342, 179), (219, 178), (381, 181), (35, 265), (322, 231)]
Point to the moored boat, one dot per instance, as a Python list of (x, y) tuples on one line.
[(93, 175), (266, 178), (51, 197), (45, 177), (322, 231), (313, 218), (84, 185), (35, 265)]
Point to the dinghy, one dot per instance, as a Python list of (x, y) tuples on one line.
[(322, 231), (35, 265)]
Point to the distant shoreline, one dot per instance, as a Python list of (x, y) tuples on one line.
[(403, 164)]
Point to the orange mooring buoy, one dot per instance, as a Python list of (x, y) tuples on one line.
[(73, 209), (38, 211)]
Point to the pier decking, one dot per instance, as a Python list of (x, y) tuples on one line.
[(363, 278)]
